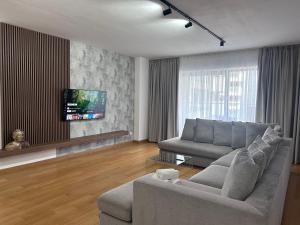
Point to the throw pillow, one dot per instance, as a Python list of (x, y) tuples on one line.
[(238, 135), (260, 159), (278, 129), (260, 152), (188, 130), (254, 129), (241, 177), (204, 131), (272, 138), (223, 133)]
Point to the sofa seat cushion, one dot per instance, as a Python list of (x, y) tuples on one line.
[(213, 176), (194, 148), (118, 202), (199, 187), (226, 159)]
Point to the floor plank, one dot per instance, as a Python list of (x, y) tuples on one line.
[(63, 191)]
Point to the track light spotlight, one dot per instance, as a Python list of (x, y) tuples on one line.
[(192, 21), (189, 24), (167, 11)]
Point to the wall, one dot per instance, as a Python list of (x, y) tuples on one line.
[(34, 73), (1, 136), (141, 99), (95, 68)]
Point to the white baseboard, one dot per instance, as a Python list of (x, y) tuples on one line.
[(19, 160)]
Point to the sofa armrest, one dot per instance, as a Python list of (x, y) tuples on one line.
[(286, 142), (157, 202)]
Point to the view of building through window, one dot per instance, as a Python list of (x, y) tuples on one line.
[(221, 94)]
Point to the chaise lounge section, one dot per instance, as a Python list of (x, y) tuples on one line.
[(205, 153)]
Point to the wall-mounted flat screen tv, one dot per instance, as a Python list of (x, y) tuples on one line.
[(84, 104)]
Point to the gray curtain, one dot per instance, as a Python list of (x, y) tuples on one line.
[(163, 99), (279, 89)]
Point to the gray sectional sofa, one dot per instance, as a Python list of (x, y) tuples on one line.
[(208, 140), (198, 200)]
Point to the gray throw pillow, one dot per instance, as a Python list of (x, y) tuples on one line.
[(272, 125), (204, 131), (241, 177), (261, 161), (278, 129), (253, 130), (238, 135), (188, 130), (222, 133), (260, 152), (272, 138)]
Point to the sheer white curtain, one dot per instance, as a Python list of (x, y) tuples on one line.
[(221, 86)]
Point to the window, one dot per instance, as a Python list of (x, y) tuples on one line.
[(227, 94)]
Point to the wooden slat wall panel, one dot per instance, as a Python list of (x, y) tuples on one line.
[(1, 111), (34, 72)]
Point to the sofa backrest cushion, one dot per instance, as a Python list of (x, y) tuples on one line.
[(241, 177), (238, 135), (222, 133), (253, 130), (204, 131), (189, 130)]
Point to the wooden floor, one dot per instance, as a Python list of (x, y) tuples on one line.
[(63, 191)]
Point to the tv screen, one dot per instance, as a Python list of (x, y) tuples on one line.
[(84, 104)]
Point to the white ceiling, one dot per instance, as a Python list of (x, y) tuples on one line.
[(137, 27)]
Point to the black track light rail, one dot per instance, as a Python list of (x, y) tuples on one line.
[(170, 5)]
